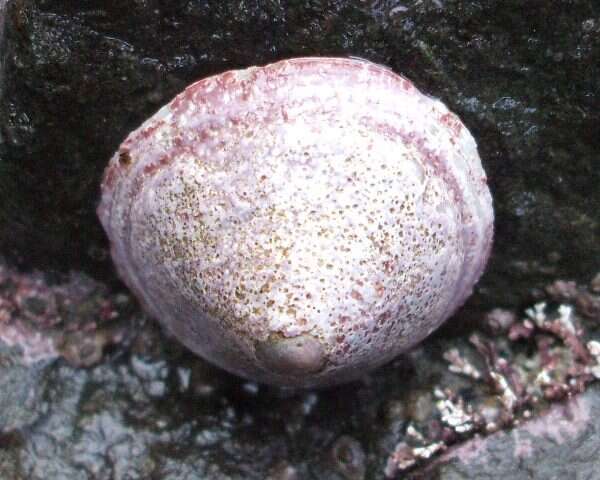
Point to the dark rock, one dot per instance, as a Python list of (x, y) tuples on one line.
[(76, 77), (106, 423), (80, 76), (21, 391)]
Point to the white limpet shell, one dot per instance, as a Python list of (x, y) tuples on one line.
[(302, 222)]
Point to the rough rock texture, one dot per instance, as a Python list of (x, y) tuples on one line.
[(3, 22), (21, 402), (302, 222), (146, 407), (562, 443), (155, 410), (2, 27), (81, 76)]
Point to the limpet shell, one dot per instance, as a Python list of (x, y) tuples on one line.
[(302, 222)]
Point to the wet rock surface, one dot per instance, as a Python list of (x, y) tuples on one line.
[(147, 408), (21, 402), (80, 77), (114, 398)]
